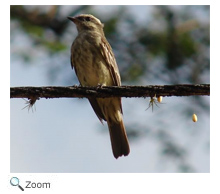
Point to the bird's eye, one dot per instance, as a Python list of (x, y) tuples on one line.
[(87, 18)]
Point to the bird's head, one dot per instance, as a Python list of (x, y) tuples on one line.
[(86, 22)]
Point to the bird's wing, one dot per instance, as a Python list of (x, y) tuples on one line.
[(109, 58)]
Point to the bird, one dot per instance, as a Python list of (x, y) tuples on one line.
[(95, 65)]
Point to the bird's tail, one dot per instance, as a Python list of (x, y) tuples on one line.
[(119, 140)]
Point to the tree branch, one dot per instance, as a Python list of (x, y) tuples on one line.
[(109, 91)]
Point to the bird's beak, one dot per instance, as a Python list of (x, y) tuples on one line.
[(73, 19)]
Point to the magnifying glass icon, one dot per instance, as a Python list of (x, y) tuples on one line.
[(15, 182)]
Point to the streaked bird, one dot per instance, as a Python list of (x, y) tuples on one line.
[(95, 65)]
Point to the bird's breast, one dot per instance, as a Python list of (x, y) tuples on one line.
[(90, 67)]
